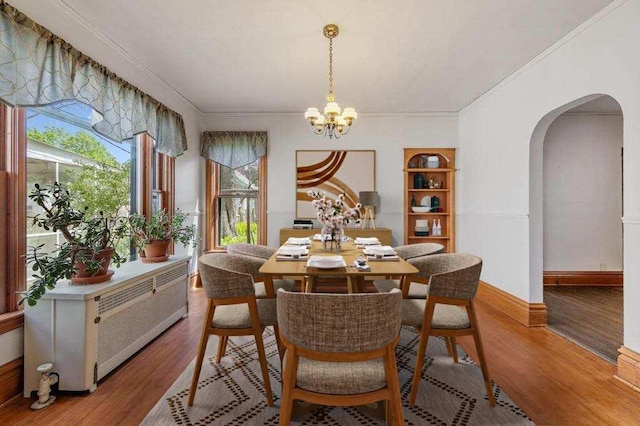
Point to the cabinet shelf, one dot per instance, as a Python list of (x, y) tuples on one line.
[(445, 174), (429, 170)]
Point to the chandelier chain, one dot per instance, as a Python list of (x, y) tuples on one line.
[(331, 65)]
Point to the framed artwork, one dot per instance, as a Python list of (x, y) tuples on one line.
[(334, 173)]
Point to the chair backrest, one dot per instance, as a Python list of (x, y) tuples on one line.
[(254, 250), (411, 251), (452, 275), (228, 275), (340, 323)]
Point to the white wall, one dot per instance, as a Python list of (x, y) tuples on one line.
[(495, 132), (583, 193), (386, 134)]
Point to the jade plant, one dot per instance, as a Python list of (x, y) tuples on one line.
[(162, 227), (88, 241)]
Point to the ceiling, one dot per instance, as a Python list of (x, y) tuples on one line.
[(271, 56)]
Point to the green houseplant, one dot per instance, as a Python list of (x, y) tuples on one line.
[(88, 249), (152, 236)]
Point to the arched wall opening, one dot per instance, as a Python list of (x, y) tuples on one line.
[(536, 191)]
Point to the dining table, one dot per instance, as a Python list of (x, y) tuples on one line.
[(354, 276)]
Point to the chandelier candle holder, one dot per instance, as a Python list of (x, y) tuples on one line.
[(334, 122)]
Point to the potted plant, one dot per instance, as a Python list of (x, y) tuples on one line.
[(88, 249), (152, 236)]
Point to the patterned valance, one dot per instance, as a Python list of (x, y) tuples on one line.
[(233, 149), (38, 68)]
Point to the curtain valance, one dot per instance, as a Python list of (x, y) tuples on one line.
[(233, 148), (38, 68)]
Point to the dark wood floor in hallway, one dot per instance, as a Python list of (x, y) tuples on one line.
[(555, 381), (590, 316)]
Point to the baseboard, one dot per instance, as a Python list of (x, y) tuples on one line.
[(529, 314), (583, 278), (629, 367), (11, 379)]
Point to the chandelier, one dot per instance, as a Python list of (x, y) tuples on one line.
[(331, 123)]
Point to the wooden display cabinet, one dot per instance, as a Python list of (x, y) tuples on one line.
[(443, 176)]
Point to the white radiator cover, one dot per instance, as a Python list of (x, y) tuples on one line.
[(87, 331)]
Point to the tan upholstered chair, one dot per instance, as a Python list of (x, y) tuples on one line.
[(340, 350), (417, 288), (233, 309), (453, 284), (263, 253)]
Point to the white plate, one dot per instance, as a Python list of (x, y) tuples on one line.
[(426, 201), (326, 262)]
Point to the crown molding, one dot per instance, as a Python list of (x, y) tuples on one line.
[(133, 60), (360, 114), (603, 13)]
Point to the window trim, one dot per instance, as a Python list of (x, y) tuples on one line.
[(212, 188)]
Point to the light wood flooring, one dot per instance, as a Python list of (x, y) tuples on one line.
[(590, 316), (555, 381)]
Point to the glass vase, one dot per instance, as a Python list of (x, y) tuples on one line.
[(332, 238)]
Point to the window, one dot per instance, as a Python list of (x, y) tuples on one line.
[(236, 204), (57, 143)]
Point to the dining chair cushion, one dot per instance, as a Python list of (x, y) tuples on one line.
[(444, 316), (340, 378), (261, 291), (238, 316), (416, 290)]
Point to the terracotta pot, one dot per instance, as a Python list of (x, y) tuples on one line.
[(83, 276), (156, 249)]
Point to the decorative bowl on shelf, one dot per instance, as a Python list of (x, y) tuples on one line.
[(420, 209), (433, 162)]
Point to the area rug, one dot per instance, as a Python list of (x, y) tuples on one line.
[(232, 392)]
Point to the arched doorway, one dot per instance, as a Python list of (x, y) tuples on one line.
[(570, 258)]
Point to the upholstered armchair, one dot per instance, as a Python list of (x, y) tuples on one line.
[(415, 287), (340, 350), (263, 253), (448, 309), (233, 309)]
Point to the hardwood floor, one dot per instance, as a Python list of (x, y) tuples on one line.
[(591, 316), (554, 381)]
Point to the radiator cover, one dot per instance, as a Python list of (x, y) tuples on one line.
[(87, 331)]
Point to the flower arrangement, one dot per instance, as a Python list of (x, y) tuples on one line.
[(334, 214)]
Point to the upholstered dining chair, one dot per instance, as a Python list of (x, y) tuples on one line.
[(447, 310), (416, 287), (233, 310), (263, 253), (340, 350)]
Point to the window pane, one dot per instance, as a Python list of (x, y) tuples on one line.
[(245, 177), (237, 220), (62, 146)]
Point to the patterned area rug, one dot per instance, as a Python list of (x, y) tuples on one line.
[(232, 392)]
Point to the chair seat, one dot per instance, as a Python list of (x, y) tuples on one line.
[(444, 316), (340, 378), (416, 290), (238, 316), (261, 291)]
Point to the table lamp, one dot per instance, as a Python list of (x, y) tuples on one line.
[(370, 201)]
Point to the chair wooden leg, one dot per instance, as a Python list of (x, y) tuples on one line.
[(263, 366), (288, 383), (204, 338), (387, 412), (447, 342), (454, 349), (351, 285), (276, 331), (483, 362), (303, 285), (394, 384), (422, 350), (222, 347)]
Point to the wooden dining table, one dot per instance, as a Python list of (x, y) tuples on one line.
[(354, 277)]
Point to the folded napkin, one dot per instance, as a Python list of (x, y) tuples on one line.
[(292, 250), (382, 250), (325, 259), (299, 241), (365, 241)]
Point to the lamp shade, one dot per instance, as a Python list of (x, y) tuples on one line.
[(370, 198)]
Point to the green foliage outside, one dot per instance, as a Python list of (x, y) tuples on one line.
[(241, 234), (101, 187)]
